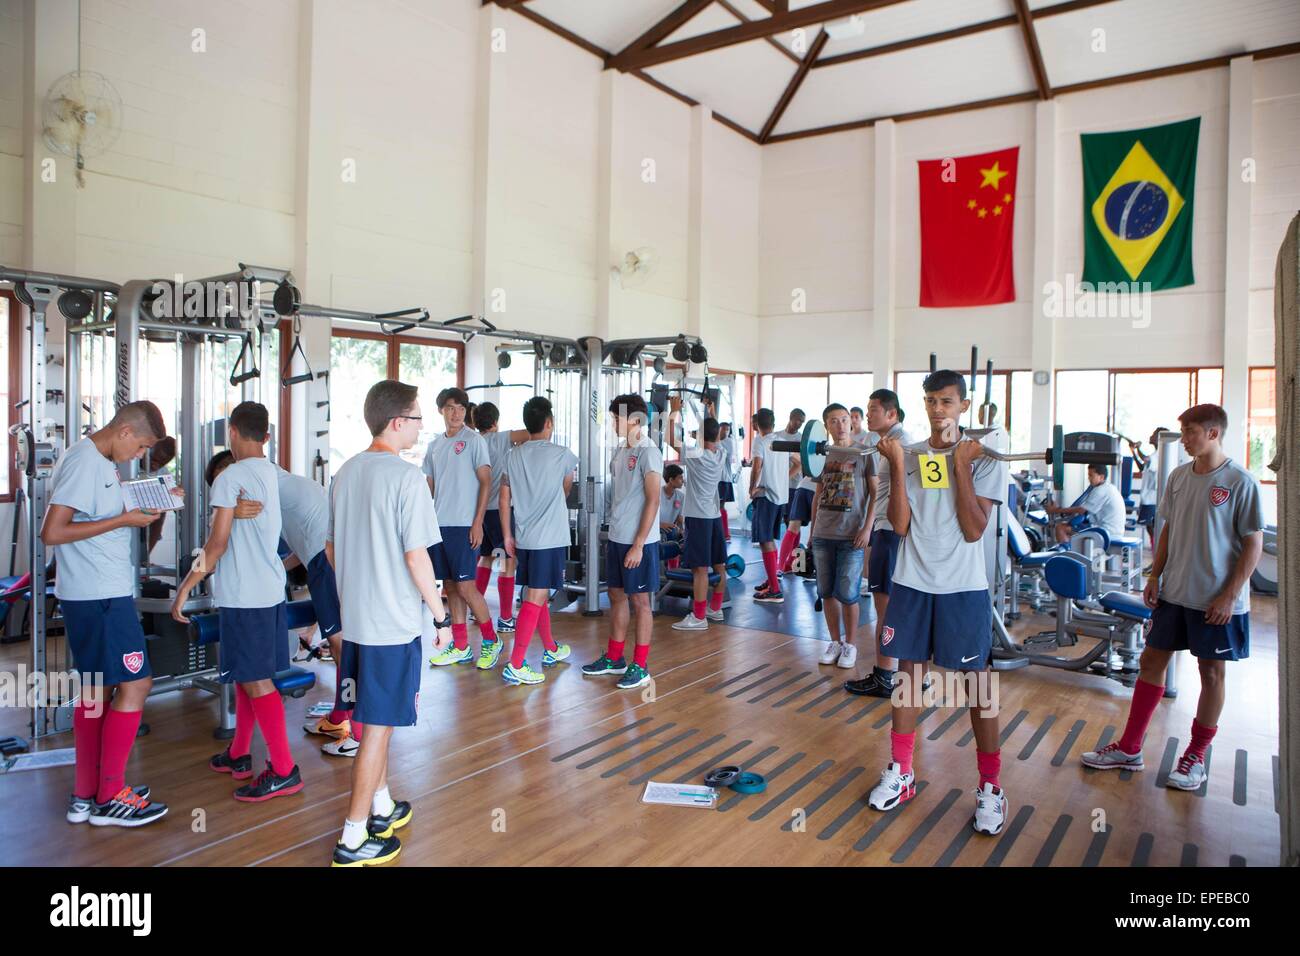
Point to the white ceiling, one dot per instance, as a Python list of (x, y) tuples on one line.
[(745, 82)]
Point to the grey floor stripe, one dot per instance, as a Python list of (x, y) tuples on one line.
[(957, 845), (658, 749), (1201, 790), (838, 707), (674, 761), (731, 680), (817, 700), (1142, 852), (923, 829), (770, 776), (1239, 780), (825, 795), (1028, 750), (591, 762), (791, 790), (1008, 838), (800, 692), (925, 714), (1097, 847), (1064, 750), (886, 819), (1235, 860), (1190, 852), (943, 727), (715, 761), (1011, 726), (599, 740), (885, 720), (865, 710), (762, 680), (1167, 761), (781, 686), (1107, 732), (1053, 841)]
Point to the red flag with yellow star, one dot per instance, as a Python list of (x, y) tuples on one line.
[(967, 209)]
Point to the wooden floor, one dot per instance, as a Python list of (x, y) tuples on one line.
[(553, 774)]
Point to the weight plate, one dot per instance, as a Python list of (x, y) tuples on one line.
[(750, 783), (1058, 458), (813, 433), (720, 777), (735, 566), (749, 513)]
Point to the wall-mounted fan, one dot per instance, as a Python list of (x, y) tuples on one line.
[(81, 117), (637, 266)]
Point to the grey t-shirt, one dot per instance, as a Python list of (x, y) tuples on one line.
[(379, 510), (774, 477), (843, 491), (627, 470), (535, 472), (670, 506), (1207, 517), (250, 573), (881, 520), (498, 446), (934, 556), (304, 514), (704, 469), (97, 568), (1105, 507), (453, 463)]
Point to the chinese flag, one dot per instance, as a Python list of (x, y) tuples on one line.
[(967, 207)]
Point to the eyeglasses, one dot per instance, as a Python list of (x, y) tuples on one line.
[(413, 418)]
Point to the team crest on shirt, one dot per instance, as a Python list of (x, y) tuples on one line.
[(458, 447), (1218, 495), (886, 635), (631, 462), (133, 662)]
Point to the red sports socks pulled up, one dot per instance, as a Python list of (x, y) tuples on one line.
[(528, 617), (481, 578), (487, 631), (900, 749), (544, 628), (1143, 706), (641, 655), (269, 711), (990, 765), (715, 600), (615, 650), (242, 742), (506, 594), (460, 636), (1201, 737), (726, 524), (120, 728), (698, 608), (788, 544), (769, 565), (87, 736)]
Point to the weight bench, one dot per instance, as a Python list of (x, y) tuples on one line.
[(1027, 568)]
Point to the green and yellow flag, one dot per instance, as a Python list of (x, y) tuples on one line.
[(1137, 204)]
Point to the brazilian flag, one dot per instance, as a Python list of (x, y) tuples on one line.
[(1137, 204)]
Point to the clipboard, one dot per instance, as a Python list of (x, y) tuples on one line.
[(151, 494)]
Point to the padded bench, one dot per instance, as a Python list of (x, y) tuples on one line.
[(293, 682), (1126, 604)]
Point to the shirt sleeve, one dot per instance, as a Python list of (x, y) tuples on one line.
[(481, 456), (651, 460), (75, 488), (416, 517), (991, 479), (570, 462), (1166, 506), (329, 527), (427, 465), (1250, 509), (225, 490)]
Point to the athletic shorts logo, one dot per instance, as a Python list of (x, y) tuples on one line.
[(1218, 495), (886, 635), (133, 661), (458, 447), (631, 462)]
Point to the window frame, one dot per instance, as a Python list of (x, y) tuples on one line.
[(395, 343), (1249, 370), (1193, 385)]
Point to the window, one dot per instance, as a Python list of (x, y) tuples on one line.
[(849, 389), (510, 401), (1083, 400), (11, 377), (1261, 423), (431, 368), (1132, 402), (1011, 392)]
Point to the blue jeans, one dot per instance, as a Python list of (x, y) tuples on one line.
[(839, 569)]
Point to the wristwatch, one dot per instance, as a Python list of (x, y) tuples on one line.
[(445, 622)]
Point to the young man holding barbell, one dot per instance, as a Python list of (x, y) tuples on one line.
[(940, 608)]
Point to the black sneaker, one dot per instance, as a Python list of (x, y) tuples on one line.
[(769, 597), (79, 807), (374, 851), (603, 665), (384, 826), (269, 784), (127, 809), (873, 685), (241, 768)]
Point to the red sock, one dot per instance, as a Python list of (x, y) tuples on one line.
[(726, 525), (544, 628), (715, 600), (699, 608), (269, 711), (120, 727), (87, 736), (900, 748), (674, 563), (1201, 737), (506, 594), (487, 631), (357, 727), (642, 654), (338, 714), (460, 636), (524, 627), (769, 564), (1143, 705), (990, 765), (481, 578), (244, 723), (788, 544), (615, 650)]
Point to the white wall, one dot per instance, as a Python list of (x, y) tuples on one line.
[(12, 61)]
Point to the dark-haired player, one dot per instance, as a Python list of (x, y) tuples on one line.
[(499, 443), (706, 546)]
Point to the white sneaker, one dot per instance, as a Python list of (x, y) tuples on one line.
[(1190, 774), (1110, 757), (894, 788), (864, 589), (848, 656), (990, 809), (713, 615), (691, 623), (347, 747), (831, 653)]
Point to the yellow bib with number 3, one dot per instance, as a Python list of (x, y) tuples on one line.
[(934, 471)]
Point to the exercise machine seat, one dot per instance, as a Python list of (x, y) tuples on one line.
[(1038, 559), (1126, 604), (1067, 575), (669, 550), (1020, 548), (300, 614), (295, 681), (685, 574), (205, 628), (1125, 541), (1099, 535)]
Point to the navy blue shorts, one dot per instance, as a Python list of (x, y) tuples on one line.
[(254, 643), (380, 685), (801, 502), (705, 543), (1146, 514), (453, 558), (1178, 628), (726, 491), (767, 520), (880, 564), (324, 591), (106, 638), (955, 630), (493, 537), (541, 568), (643, 579)]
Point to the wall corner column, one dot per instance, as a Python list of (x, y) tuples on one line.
[(883, 262), (1236, 256), (1043, 324)]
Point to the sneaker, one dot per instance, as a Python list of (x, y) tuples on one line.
[(636, 676), (761, 589), (523, 674), (848, 657), (127, 809), (374, 851), (691, 623), (561, 653), (831, 653), (241, 768), (990, 809), (79, 807), (770, 597), (1190, 774), (323, 728), (713, 615), (505, 625), (895, 787), (873, 685), (269, 784), (489, 653), (384, 826), (603, 665), (1110, 757), (452, 654), (346, 747)]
